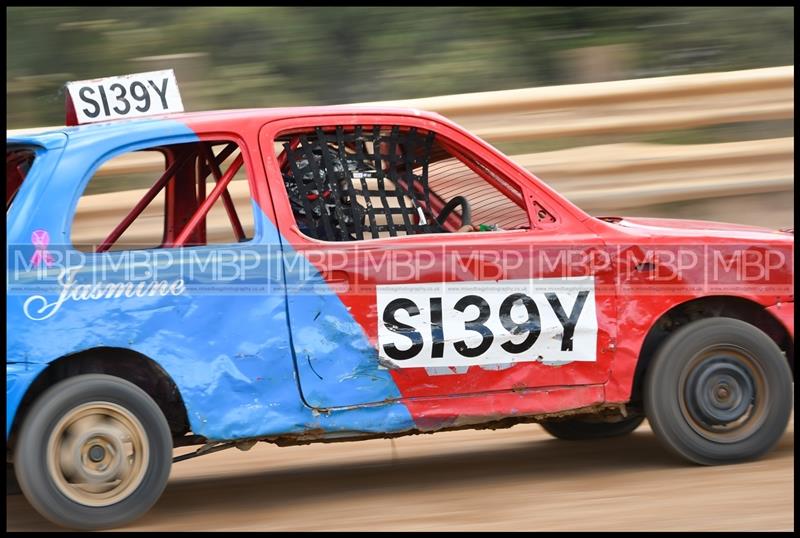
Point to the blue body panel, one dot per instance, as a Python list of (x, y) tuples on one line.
[(228, 351), (337, 364)]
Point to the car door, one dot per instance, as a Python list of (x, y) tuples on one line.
[(435, 312)]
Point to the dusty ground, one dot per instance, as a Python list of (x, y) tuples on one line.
[(516, 479)]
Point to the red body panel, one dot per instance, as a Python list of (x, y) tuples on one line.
[(416, 383), (629, 301)]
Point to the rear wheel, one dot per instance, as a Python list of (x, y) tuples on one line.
[(718, 391), (579, 429), (94, 452)]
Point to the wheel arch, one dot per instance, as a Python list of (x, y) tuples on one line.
[(124, 363), (702, 308)]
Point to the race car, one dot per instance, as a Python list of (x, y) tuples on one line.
[(384, 273)]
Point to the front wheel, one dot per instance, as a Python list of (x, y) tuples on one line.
[(718, 391), (94, 452), (575, 429)]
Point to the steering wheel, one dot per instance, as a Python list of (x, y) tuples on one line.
[(466, 212)]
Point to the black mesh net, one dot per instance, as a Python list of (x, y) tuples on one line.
[(336, 178)]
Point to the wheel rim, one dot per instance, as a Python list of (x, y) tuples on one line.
[(97, 454), (722, 394)]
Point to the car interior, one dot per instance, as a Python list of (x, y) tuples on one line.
[(368, 182)]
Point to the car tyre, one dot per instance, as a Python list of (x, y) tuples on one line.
[(577, 429), (718, 391), (94, 452)]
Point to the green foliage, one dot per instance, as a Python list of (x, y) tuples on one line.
[(277, 56)]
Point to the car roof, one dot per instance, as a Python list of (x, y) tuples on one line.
[(208, 119)]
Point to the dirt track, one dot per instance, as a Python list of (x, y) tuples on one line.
[(516, 479)]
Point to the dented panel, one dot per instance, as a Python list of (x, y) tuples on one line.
[(415, 300), (306, 347)]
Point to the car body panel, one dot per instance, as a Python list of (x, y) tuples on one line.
[(317, 366), (237, 359)]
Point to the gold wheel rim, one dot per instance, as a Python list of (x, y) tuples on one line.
[(97, 454)]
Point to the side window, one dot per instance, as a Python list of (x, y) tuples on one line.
[(372, 181), (158, 198), (490, 207)]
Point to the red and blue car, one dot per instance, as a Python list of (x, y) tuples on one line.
[(387, 274)]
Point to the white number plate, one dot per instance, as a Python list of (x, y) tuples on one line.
[(128, 96), (549, 320)]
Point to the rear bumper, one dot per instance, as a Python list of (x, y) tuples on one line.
[(785, 314)]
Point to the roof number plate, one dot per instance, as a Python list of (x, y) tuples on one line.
[(127, 96)]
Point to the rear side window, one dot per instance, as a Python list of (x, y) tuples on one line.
[(18, 162), (165, 197)]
